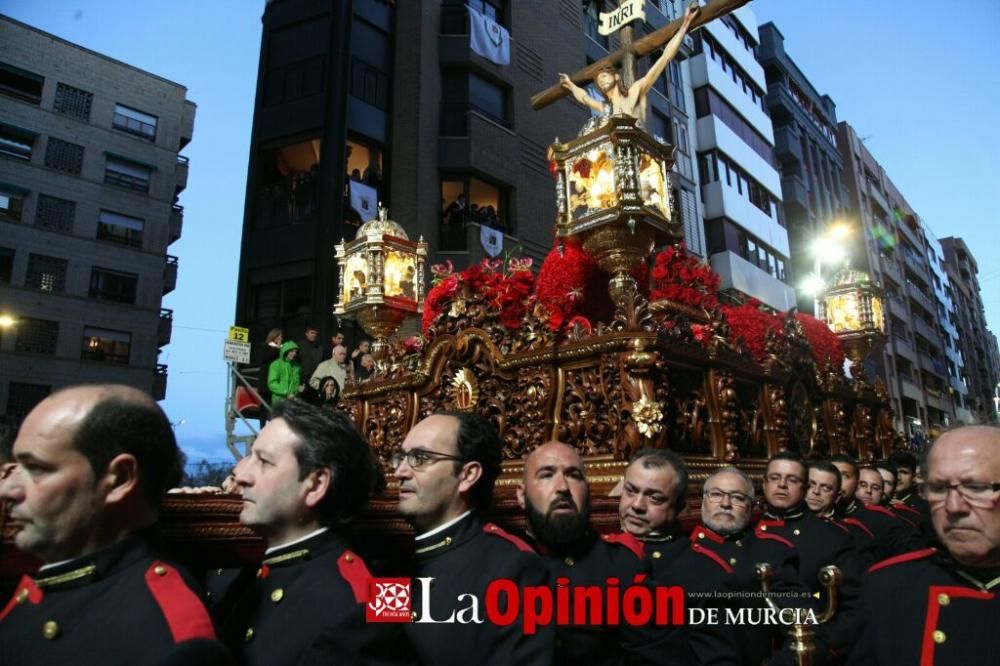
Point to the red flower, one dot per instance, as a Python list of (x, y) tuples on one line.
[(439, 296), (827, 350), (682, 278), (749, 322), (570, 284)]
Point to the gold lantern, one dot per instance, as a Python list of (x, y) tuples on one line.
[(853, 309), (381, 280), (613, 196)]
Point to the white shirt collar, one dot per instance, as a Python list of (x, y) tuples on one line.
[(441, 528)]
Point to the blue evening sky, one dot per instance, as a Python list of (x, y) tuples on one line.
[(914, 77)]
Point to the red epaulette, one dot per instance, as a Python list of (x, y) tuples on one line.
[(702, 532), (880, 509), (627, 540), (905, 557), (833, 522), (764, 534), (182, 609), (519, 543), (712, 555), (356, 573), (26, 590), (899, 506), (858, 523)]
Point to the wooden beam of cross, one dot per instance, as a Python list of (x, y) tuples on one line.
[(640, 47)]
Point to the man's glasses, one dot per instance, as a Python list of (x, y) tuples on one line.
[(736, 498), (417, 458), (976, 493)]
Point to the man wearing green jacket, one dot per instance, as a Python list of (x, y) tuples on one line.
[(283, 377)]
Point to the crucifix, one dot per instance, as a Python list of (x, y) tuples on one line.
[(620, 90)]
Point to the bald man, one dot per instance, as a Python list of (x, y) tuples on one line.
[(940, 605), (92, 465), (555, 495)]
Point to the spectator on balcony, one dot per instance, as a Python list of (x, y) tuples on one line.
[(284, 376), (336, 367), (310, 351), (272, 346)]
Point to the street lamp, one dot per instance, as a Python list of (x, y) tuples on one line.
[(827, 248), (6, 321)]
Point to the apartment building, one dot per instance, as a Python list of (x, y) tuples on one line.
[(90, 175)]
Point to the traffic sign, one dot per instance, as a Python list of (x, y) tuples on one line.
[(239, 334), (236, 350)]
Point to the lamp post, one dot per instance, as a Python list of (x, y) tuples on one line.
[(853, 309), (826, 248), (381, 280)]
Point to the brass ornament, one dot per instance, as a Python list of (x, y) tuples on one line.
[(464, 392), (648, 416)]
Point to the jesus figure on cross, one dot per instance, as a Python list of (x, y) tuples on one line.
[(629, 101)]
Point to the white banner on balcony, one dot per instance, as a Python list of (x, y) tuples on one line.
[(626, 13), (364, 199), (491, 240), (488, 38)]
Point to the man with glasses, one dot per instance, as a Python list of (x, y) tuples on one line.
[(819, 542), (940, 605), (446, 471), (725, 536)]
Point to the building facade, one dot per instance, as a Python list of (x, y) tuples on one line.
[(746, 238), (901, 255), (390, 98), (90, 174), (976, 344), (805, 144)]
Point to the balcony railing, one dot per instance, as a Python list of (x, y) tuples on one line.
[(169, 273), (176, 222), (160, 382), (166, 327)]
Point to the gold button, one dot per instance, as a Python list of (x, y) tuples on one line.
[(763, 528), (447, 541), (732, 560), (50, 630), (944, 599), (939, 636), (249, 635), (796, 531), (218, 572), (22, 596), (414, 616), (493, 528), (701, 535), (656, 555), (739, 544), (348, 558), (160, 570), (260, 572), (277, 595), (569, 561)]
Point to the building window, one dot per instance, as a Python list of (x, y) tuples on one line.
[(130, 175), (23, 397), (36, 336), (6, 265), (462, 92), (64, 156), (18, 83), (16, 142), (11, 204), (277, 303), (455, 16), (135, 122), (118, 228), (288, 185), (109, 285), (676, 80), (369, 84), (101, 344), (470, 200), (73, 101), (55, 214), (707, 101), (762, 257), (46, 273), (712, 163)]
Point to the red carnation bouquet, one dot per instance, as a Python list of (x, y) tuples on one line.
[(827, 350), (750, 322), (505, 284), (682, 278)]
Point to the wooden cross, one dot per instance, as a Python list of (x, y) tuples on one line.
[(632, 49)]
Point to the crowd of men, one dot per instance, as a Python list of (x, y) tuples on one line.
[(917, 582)]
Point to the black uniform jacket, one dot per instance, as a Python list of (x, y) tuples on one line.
[(921, 608), (821, 542), (464, 559), (120, 605), (591, 561), (878, 534), (305, 604)]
